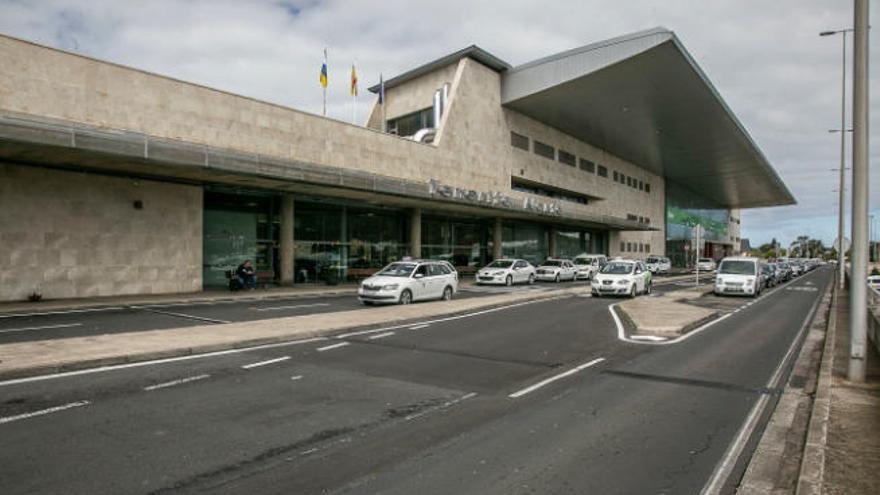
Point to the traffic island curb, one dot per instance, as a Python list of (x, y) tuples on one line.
[(667, 316), (29, 359)]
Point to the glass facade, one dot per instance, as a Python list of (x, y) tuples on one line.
[(238, 227), (684, 210), (338, 240)]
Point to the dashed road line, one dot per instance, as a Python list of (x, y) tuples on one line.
[(333, 346), (296, 377), (419, 327), (63, 312), (552, 379), (66, 374), (176, 382), (441, 406), (380, 335), (9, 419), (44, 327), (295, 306), (264, 363)]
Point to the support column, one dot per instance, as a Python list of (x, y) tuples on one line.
[(497, 239), (415, 233), (286, 240), (551, 243)]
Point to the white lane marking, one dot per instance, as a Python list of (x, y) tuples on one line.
[(419, 327), (380, 335), (333, 346), (115, 367), (296, 377), (62, 312), (45, 327), (621, 332), (652, 338), (441, 406), (725, 466), (9, 419), (264, 363), (176, 382), (310, 451), (295, 306), (179, 315), (449, 318), (552, 379)]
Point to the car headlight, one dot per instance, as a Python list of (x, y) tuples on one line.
[(390, 287), (623, 282), (719, 281), (750, 281), (499, 272)]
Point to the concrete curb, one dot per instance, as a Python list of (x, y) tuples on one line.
[(128, 358), (812, 470)]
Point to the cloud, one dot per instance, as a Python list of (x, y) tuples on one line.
[(765, 58)]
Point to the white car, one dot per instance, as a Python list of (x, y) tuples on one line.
[(622, 277), (506, 272), (706, 265), (555, 270), (658, 264), (874, 282), (739, 275), (588, 264), (403, 282)]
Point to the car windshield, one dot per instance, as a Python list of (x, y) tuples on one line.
[(500, 264), (552, 263), (398, 270), (614, 268), (737, 267), (767, 269), (705, 260), (652, 259), (582, 261)]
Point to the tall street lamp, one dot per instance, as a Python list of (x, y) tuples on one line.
[(841, 253)]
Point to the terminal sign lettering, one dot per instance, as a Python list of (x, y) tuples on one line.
[(491, 198)]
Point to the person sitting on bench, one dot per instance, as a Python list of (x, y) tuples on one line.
[(246, 275)]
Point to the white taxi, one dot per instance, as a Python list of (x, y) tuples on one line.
[(506, 272), (555, 270), (588, 264), (622, 277), (406, 281)]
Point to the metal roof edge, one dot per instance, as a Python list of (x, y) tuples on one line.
[(472, 51)]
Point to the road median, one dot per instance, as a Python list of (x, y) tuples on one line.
[(25, 359), (666, 315)]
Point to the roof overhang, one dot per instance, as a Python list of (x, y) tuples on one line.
[(643, 98)]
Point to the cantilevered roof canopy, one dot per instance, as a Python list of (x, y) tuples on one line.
[(643, 98)]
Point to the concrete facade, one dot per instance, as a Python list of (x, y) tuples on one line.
[(95, 243), (65, 234)]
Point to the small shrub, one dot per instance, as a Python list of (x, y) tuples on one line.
[(35, 296)]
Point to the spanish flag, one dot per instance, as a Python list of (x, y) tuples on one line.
[(354, 81), (324, 70)]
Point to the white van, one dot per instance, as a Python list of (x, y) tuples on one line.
[(588, 264), (739, 275)]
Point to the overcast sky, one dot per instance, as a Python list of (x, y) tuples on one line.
[(764, 57)]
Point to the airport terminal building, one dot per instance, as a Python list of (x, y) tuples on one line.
[(117, 181)]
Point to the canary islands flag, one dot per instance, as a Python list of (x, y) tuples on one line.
[(324, 70), (354, 81)]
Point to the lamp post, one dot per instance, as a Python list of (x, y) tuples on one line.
[(841, 255)]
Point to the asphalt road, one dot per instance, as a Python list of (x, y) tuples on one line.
[(539, 397), (35, 326)]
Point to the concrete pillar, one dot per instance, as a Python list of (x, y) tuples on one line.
[(551, 243), (415, 233), (286, 240), (497, 238)]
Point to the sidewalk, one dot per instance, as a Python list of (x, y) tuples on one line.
[(824, 435)]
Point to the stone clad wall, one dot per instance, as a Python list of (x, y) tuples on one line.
[(70, 234)]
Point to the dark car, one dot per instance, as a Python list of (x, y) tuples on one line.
[(769, 275)]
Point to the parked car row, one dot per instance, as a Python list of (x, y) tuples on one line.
[(749, 276)]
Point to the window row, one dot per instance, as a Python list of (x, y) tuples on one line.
[(545, 150), (637, 218), (635, 247), (632, 182)]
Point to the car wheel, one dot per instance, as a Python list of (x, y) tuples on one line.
[(556, 279), (508, 281), (531, 278), (405, 297), (632, 292), (447, 293), (648, 288)]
